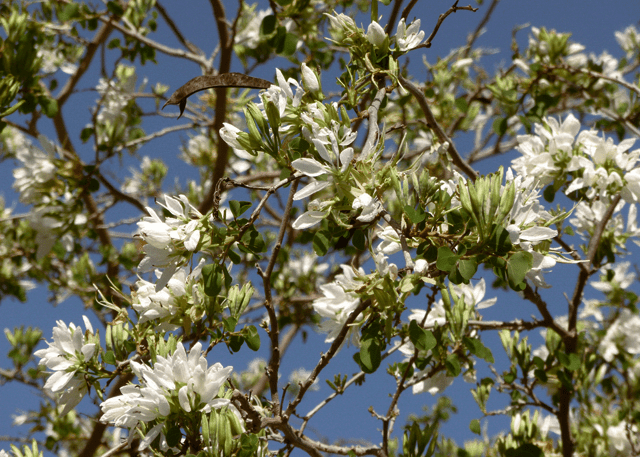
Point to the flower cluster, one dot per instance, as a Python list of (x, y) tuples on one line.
[(597, 166), (180, 383), (182, 292), (338, 302), (68, 356), (170, 242)]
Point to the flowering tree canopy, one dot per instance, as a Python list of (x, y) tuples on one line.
[(323, 184)]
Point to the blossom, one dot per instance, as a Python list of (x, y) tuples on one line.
[(165, 303), (434, 384), (180, 382), (38, 170), (376, 34), (338, 302), (300, 376), (623, 334), (249, 35), (69, 352), (628, 39), (621, 278), (408, 38), (618, 436), (370, 207), (309, 78), (169, 242)]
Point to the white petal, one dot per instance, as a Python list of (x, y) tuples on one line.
[(538, 234), (311, 189), (309, 167), (308, 219), (183, 398)]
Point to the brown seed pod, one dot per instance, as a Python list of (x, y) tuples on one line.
[(179, 97)]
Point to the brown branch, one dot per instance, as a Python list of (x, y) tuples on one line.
[(454, 8), (571, 339), (456, 158), (99, 38), (393, 16), (326, 358), (174, 28), (476, 33), (95, 440), (222, 158)]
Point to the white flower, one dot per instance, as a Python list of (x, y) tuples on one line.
[(309, 78), (186, 374), (300, 376), (376, 34), (621, 279), (434, 384), (249, 36), (619, 439), (68, 352), (338, 302), (38, 169), (390, 243), (623, 334), (420, 266), (370, 207), (229, 134), (408, 38), (169, 242), (151, 304), (628, 39)]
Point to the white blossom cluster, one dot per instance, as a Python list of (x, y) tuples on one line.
[(172, 241), (181, 381), (67, 356)]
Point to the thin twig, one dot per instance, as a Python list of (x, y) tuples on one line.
[(456, 158)]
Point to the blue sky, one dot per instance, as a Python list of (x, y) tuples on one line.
[(592, 23)]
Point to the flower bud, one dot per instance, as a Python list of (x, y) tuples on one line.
[(376, 35), (309, 79)]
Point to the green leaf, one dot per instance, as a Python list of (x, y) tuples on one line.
[(526, 450), (12, 109), (253, 241), (421, 338), (234, 256), (268, 25), (500, 242), (500, 126), (571, 361), (115, 8), (86, 133), (109, 358), (238, 208), (214, 277), (446, 259), (453, 365), (252, 337), (69, 12), (478, 349), (235, 342), (474, 426), (229, 323), (415, 215), (174, 435), (467, 268), (359, 240), (321, 242), (370, 356), (248, 445), (290, 44), (517, 267), (49, 106)]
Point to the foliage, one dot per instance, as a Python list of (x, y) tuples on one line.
[(341, 206)]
